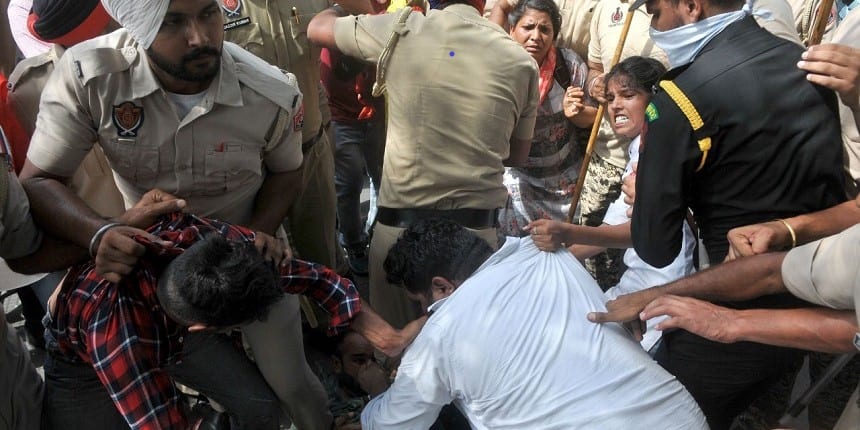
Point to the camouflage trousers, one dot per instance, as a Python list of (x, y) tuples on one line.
[(602, 187)]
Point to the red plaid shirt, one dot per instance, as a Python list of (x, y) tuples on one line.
[(122, 331)]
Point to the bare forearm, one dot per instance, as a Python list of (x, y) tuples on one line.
[(739, 280), (382, 335), (581, 252), (499, 14), (814, 226), (52, 255), (321, 29), (274, 200), (519, 153), (815, 329), (605, 235), (60, 212), (585, 118)]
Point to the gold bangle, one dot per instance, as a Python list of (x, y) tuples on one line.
[(790, 231)]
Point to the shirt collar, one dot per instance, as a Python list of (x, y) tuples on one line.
[(437, 304)]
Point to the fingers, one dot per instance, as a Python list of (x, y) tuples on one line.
[(597, 89), (271, 248), (118, 253), (834, 66), (599, 317), (636, 328)]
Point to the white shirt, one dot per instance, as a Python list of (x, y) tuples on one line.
[(511, 347), (639, 274)]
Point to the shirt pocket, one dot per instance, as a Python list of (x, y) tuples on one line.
[(231, 165), (137, 164), (300, 16)]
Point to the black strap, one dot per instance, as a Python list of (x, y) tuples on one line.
[(561, 72)]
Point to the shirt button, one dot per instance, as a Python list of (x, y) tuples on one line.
[(181, 339)]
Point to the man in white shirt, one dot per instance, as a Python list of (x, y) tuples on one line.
[(507, 343)]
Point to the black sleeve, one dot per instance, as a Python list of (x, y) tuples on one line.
[(667, 161)]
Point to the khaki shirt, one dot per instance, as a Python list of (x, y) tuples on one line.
[(848, 33), (776, 17), (458, 88), (216, 157), (606, 25), (825, 272), (271, 31), (804, 12), (93, 181), (18, 233), (576, 19)]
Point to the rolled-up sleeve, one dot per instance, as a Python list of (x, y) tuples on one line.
[(825, 272), (363, 36), (64, 129)]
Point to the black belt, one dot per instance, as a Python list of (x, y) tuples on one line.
[(475, 219), (308, 144)]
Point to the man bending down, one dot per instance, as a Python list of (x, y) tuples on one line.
[(208, 278), (507, 342)]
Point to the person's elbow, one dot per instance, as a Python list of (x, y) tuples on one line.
[(519, 153), (657, 253)]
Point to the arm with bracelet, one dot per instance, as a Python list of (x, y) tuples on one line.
[(784, 234)]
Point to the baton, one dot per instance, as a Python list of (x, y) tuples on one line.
[(589, 149)]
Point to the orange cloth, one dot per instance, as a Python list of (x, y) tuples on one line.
[(546, 79)]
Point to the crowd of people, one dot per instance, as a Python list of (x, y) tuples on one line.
[(185, 176)]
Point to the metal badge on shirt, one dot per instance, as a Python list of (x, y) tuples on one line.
[(127, 117), (616, 17), (233, 8)]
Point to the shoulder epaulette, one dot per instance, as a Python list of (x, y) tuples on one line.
[(270, 82), (95, 62), (28, 64), (692, 114)]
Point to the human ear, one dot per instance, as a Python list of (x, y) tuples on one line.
[(441, 287)]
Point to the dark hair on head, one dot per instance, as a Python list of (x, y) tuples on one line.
[(219, 283), (547, 6), (640, 73), (434, 247)]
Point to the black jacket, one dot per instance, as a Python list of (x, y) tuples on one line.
[(776, 145)]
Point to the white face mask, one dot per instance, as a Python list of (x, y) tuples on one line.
[(682, 44)]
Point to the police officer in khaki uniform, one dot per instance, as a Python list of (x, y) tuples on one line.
[(455, 116), (93, 181), (175, 108), (20, 386), (276, 32), (576, 20)]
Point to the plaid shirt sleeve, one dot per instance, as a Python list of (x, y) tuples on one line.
[(127, 348), (336, 294)]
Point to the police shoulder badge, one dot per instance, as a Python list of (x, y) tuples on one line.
[(127, 117), (233, 8), (651, 112), (617, 16)]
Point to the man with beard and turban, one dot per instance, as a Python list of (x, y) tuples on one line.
[(457, 115), (174, 107)]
